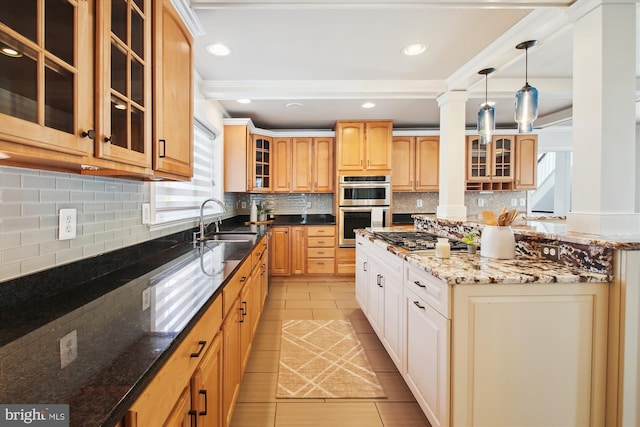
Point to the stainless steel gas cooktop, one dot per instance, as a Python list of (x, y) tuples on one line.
[(416, 240)]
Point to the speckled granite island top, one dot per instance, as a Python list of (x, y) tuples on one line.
[(464, 269)]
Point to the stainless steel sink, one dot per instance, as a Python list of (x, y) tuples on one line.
[(230, 236)]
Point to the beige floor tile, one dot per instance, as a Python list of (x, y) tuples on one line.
[(394, 387), (313, 304), (361, 326), (342, 295), (329, 414), (342, 287), (258, 387), (267, 342), (268, 327), (370, 342), (304, 296), (380, 361), (263, 360), (401, 414), (288, 314), (307, 288), (347, 303), (322, 296), (276, 304), (254, 415), (319, 314)]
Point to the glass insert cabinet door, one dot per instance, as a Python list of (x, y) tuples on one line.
[(478, 159), (124, 81), (261, 163), (46, 74)]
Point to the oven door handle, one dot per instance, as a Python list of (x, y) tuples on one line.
[(358, 208)]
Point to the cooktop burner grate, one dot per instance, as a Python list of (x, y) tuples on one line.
[(416, 240)]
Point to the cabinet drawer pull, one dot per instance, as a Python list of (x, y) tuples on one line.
[(206, 404), (420, 284), (243, 279), (321, 242), (242, 318), (320, 253), (379, 280), (108, 138), (201, 345), (364, 266), (421, 307), (163, 143), (244, 308)]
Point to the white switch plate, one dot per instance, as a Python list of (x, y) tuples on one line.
[(68, 348), (146, 213), (67, 224), (514, 202), (308, 204), (419, 203)]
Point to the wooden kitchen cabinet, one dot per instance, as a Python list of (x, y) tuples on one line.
[(124, 82), (54, 46), (231, 360), (282, 153), (182, 415), (172, 94), (490, 166), (312, 165), (299, 250), (297, 243), (415, 163), (526, 162), (320, 249), (364, 146), (237, 174), (206, 387), (260, 164)]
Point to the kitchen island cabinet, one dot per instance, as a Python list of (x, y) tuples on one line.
[(490, 342)]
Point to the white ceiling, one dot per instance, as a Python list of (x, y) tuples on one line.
[(332, 56)]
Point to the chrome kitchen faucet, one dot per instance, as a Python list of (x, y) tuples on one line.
[(217, 220)]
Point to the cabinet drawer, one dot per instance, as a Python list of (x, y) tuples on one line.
[(258, 251), (435, 292), (321, 242), (235, 284), (321, 266), (321, 253), (319, 231)]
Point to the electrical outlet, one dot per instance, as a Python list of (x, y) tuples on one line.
[(523, 201), (68, 348), (67, 224), (146, 299), (481, 202), (244, 205), (146, 213), (419, 203), (514, 202), (551, 252), (308, 204)]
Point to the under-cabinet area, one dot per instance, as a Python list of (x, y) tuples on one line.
[(528, 348)]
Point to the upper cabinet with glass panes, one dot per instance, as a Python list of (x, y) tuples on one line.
[(46, 77)]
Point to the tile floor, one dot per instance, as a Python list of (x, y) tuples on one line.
[(257, 405)]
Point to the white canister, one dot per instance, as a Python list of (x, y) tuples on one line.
[(498, 242), (443, 248), (253, 213)]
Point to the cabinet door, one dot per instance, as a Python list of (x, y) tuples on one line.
[(350, 146), (375, 311), (402, 164), (302, 153), (526, 162), (237, 173), (282, 165), (181, 415), (478, 160), (123, 84), (279, 251), (48, 84), (378, 145), (393, 325), (206, 387), (323, 170), (502, 159), (298, 244), (427, 163), (261, 163), (428, 352), (231, 360), (362, 275), (245, 324), (173, 93)]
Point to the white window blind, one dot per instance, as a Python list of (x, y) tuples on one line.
[(180, 201)]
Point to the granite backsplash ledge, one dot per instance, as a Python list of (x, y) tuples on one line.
[(581, 252)]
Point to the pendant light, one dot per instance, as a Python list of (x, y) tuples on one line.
[(527, 97), (487, 114)]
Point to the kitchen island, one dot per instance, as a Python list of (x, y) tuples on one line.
[(489, 342)]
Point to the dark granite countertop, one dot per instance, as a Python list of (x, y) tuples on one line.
[(127, 321), (311, 219)]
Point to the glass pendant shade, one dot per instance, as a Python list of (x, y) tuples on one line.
[(526, 108), (486, 123)]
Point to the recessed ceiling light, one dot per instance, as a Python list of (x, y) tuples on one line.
[(243, 101), (368, 105), (414, 49), (218, 49), (10, 52), (294, 105)]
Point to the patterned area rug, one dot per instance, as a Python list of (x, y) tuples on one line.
[(324, 359)]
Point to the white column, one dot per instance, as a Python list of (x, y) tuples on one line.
[(604, 88), (452, 156)]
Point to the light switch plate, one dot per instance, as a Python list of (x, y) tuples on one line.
[(68, 348), (67, 224), (146, 213)]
